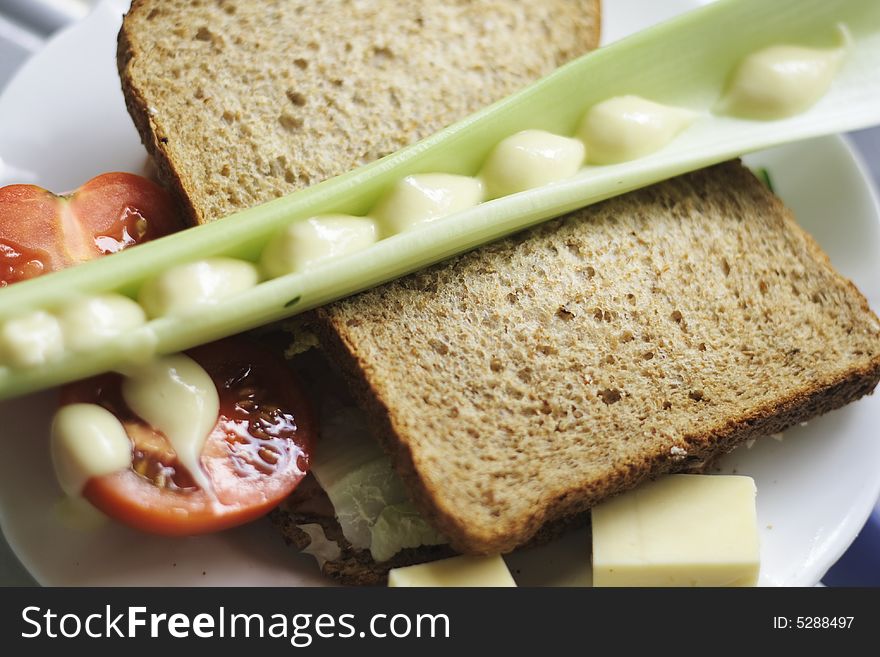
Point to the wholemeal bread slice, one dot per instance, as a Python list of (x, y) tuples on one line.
[(242, 102), (526, 381)]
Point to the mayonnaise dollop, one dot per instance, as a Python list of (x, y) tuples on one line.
[(425, 197), (629, 127), (782, 80), (177, 397), (89, 323), (528, 159), (173, 394), (191, 287), (315, 239), (31, 340), (87, 441)]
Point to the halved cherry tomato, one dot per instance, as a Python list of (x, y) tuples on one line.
[(41, 232), (257, 453)]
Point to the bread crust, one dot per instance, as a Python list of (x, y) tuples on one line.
[(173, 177)]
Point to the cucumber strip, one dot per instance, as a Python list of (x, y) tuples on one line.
[(685, 62)]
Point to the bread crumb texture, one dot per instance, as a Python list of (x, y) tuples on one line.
[(242, 102), (527, 380)]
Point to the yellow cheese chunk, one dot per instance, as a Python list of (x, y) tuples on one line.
[(681, 530), (457, 571)]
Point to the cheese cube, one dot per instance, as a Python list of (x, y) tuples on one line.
[(457, 571), (681, 530)]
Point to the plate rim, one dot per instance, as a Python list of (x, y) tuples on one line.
[(865, 180)]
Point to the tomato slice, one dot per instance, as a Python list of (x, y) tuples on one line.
[(41, 232), (257, 453)]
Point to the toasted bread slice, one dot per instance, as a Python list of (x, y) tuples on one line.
[(242, 102), (524, 382)]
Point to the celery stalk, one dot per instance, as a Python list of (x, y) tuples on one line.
[(684, 62)]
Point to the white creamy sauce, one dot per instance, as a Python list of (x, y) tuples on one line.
[(304, 243), (191, 287), (425, 197), (629, 127), (87, 441), (31, 340), (783, 80), (89, 323), (529, 159), (177, 397)]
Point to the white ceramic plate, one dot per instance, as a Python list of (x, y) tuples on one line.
[(62, 120)]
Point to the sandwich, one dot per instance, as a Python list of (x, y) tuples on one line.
[(512, 388)]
